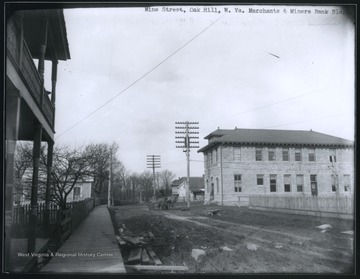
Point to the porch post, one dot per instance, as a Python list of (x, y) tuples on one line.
[(34, 189), (53, 86), (53, 81), (12, 130), (41, 65), (48, 186)]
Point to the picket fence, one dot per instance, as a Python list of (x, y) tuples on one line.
[(78, 211), (21, 214), (331, 204)]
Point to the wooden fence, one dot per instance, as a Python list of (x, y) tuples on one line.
[(330, 204), (80, 210), (72, 217), (21, 214), (77, 210)]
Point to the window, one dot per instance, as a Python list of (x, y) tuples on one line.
[(285, 154), (237, 153), (287, 183), (207, 185), (271, 152), (212, 189), (311, 155), (346, 182), (297, 154), (334, 182), (77, 193), (216, 155), (237, 182), (258, 154), (211, 158), (77, 190), (313, 183), (272, 182), (217, 185), (260, 179), (300, 183), (332, 155)]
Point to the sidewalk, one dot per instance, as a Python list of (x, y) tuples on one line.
[(91, 248)]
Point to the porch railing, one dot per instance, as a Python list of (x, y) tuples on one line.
[(20, 55)]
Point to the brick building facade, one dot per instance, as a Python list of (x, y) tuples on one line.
[(242, 162)]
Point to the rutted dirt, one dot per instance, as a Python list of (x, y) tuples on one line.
[(284, 243)]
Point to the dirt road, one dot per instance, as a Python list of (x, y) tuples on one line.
[(239, 240)]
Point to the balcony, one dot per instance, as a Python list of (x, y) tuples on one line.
[(19, 54)]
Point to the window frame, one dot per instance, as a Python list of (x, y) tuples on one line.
[(347, 182), (287, 154), (297, 151), (311, 155), (301, 176), (287, 184), (237, 183), (273, 157), (260, 176), (313, 182), (334, 181), (76, 196), (258, 151), (273, 177), (236, 155)]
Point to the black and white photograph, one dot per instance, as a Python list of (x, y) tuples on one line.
[(179, 138)]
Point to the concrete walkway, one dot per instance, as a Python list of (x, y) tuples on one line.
[(91, 248)]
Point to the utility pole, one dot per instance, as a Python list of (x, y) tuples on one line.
[(110, 179), (187, 142), (153, 162)]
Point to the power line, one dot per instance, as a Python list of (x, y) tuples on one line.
[(284, 100), (140, 78), (278, 102), (310, 120)]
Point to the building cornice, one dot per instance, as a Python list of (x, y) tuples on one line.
[(264, 144)]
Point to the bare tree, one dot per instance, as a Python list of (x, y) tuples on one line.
[(103, 157), (22, 165), (100, 154), (70, 166), (146, 184), (166, 177)]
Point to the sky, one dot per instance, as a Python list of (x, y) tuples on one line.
[(134, 73)]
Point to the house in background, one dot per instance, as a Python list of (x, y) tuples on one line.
[(196, 188), (242, 162), (81, 191)]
